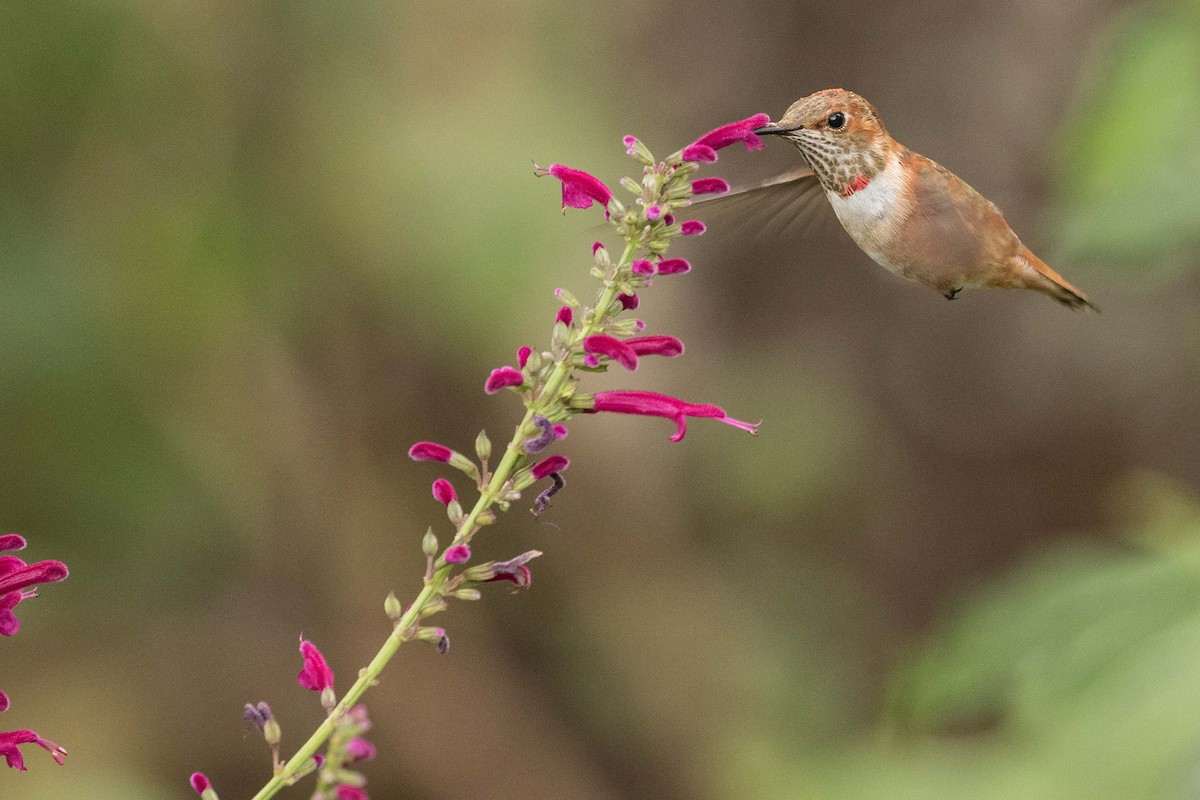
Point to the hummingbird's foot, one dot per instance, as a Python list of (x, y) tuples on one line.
[(953, 293)]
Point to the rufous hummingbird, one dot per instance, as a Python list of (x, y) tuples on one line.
[(911, 215)]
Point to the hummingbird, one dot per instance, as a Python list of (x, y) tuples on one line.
[(911, 215)]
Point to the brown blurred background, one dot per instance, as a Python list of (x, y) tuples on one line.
[(250, 252)]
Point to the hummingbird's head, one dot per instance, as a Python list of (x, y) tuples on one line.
[(839, 133)]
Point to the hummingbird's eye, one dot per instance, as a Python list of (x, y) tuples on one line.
[(836, 120)]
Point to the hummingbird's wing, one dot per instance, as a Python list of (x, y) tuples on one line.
[(791, 204)]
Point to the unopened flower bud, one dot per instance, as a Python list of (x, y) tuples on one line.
[(485, 517), (454, 511), (466, 594), (483, 445), (431, 635), (429, 544), (434, 605), (392, 607), (328, 699), (272, 732), (202, 786)]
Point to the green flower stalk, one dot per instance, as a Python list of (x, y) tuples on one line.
[(584, 339)]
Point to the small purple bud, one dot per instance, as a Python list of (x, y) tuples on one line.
[(444, 492), (709, 186), (458, 554), (316, 674), (555, 463), (653, 212), (560, 431), (359, 749), (503, 378), (591, 360), (630, 142), (12, 541), (597, 246), (642, 267), (443, 644), (523, 356), (693, 227), (430, 451), (669, 219), (674, 266), (3, 702), (200, 782), (628, 301), (565, 316)]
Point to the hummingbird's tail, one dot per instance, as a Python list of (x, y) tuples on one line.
[(1041, 278)]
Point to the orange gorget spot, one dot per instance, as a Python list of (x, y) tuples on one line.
[(858, 184)]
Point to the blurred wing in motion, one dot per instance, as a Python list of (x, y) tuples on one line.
[(792, 205)]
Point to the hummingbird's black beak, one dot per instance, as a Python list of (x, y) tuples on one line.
[(771, 130)]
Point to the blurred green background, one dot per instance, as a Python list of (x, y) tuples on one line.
[(250, 251)]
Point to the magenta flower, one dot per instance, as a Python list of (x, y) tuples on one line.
[(523, 355), (458, 554), (628, 301), (667, 346), (565, 316), (709, 186), (443, 492), (693, 227), (316, 674), (653, 212), (669, 219), (642, 266), (200, 782), (16, 576), (560, 431), (359, 749), (346, 792), (705, 148), (430, 451), (674, 266), (579, 189), (9, 747), (549, 465), (596, 246), (651, 404), (503, 378), (3, 702), (601, 344)]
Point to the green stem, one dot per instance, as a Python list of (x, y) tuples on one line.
[(406, 624)]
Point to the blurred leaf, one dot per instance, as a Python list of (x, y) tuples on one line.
[(1130, 194)]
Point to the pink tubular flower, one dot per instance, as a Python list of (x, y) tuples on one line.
[(523, 356), (565, 316), (503, 378), (16, 576), (651, 404), (579, 189), (316, 674), (596, 246), (643, 266), (709, 186), (667, 346), (674, 266), (430, 451), (346, 792), (444, 492), (628, 301), (653, 212), (200, 782), (705, 148), (601, 344), (9, 747), (458, 554), (692, 227), (549, 465)]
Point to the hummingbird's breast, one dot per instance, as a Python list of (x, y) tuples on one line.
[(871, 214)]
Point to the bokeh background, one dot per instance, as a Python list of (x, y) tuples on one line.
[(251, 251)]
